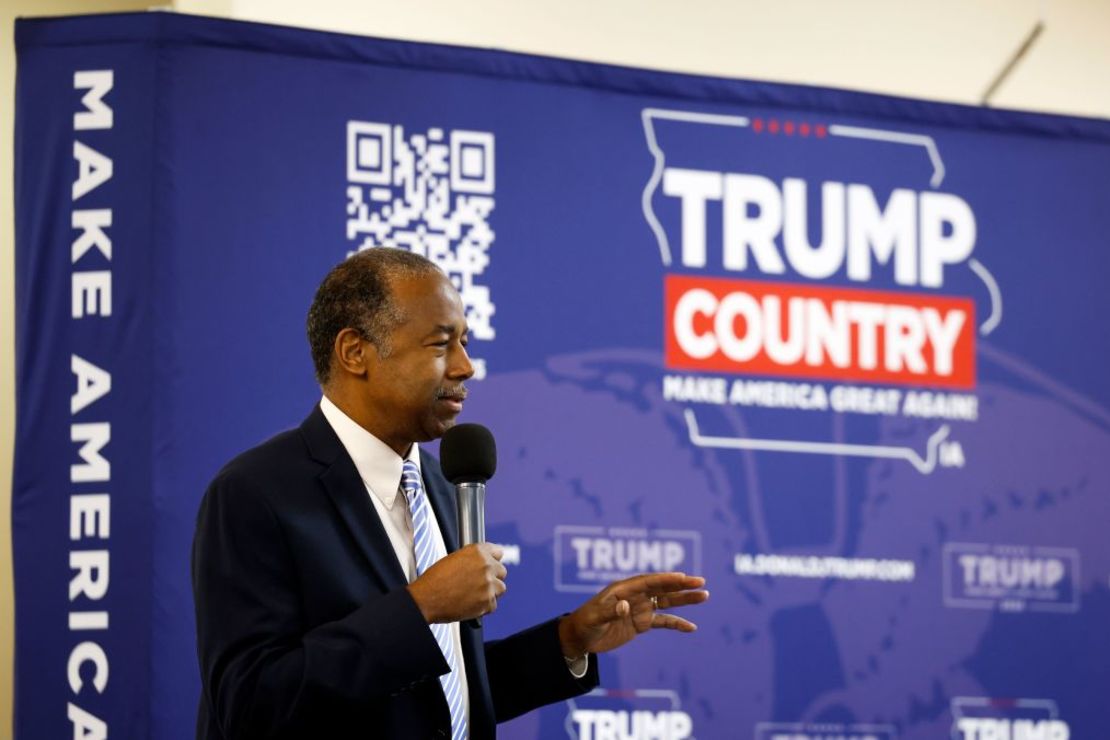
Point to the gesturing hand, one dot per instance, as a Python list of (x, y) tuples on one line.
[(626, 608), (463, 585)]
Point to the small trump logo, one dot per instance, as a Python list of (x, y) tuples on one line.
[(1011, 577), (587, 558)]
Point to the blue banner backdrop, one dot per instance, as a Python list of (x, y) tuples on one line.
[(843, 354)]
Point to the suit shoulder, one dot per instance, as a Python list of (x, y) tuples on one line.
[(279, 459)]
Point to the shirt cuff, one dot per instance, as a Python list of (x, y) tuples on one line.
[(579, 666)]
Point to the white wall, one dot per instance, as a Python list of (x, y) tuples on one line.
[(939, 49)]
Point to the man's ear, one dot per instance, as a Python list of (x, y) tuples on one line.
[(351, 353)]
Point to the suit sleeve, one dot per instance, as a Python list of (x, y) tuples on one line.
[(264, 672), (527, 670)]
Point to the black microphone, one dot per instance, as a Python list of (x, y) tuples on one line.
[(468, 456)]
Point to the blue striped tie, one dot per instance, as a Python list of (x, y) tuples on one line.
[(425, 557)]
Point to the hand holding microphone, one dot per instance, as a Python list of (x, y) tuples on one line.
[(464, 585), (467, 583)]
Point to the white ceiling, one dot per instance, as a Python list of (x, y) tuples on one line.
[(942, 50)]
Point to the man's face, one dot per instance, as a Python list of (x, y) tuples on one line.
[(415, 393)]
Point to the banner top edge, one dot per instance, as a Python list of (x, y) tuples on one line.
[(164, 27)]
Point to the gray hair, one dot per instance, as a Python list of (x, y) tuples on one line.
[(357, 294)]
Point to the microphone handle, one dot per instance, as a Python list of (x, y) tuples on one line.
[(472, 512), (471, 498)]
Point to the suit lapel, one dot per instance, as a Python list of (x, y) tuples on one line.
[(350, 498)]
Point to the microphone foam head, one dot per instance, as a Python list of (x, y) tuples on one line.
[(468, 454)]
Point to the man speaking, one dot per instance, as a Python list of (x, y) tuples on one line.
[(332, 600)]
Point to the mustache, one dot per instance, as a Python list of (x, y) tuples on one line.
[(458, 393)]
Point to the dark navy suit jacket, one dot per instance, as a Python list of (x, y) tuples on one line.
[(304, 626)]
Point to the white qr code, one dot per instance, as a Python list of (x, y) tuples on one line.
[(430, 192)]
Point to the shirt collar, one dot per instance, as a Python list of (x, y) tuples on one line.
[(377, 464)]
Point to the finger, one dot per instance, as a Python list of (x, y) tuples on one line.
[(495, 550), (682, 598), (655, 584), (502, 572), (660, 621), (675, 582), (640, 585), (622, 610), (499, 587)]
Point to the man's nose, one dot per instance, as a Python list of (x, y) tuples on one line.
[(460, 366)]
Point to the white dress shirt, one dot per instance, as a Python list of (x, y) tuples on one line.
[(380, 469)]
